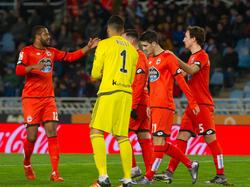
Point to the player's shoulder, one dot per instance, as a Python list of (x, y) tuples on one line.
[(167, 54), (168, 57), (141, 54), (52, 49), (27, 48), (106, 40), (202, 54)]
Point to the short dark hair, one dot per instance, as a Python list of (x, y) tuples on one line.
[(132, 33), (149, 36), (36, 30), (198, 33), (116, 22)]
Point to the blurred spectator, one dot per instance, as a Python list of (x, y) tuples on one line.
[(178, 35), (216, 82), (93, 28), (82, 89), (71, 28), (7, 43), (46, 12), (10, 81), (215, 59), (34, 19), (20, 30)]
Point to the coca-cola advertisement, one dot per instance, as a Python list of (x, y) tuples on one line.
[(74, 138)]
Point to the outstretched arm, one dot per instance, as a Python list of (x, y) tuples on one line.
[(91, 44), (189, 69), (186, 90), (72, 56)]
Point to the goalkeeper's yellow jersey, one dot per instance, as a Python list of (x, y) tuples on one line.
[(115, 64)]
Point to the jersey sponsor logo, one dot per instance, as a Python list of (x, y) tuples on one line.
[(48, 65), (153, 74), (115, 83), (38, 53), (150, 62), (139, 71)]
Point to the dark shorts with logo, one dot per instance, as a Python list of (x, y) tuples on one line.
[(161, 120), (202, 124)]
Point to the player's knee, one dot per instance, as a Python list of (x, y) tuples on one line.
[(51, 133), (210, 137), (159, 140), (143, 135), (31, 138), (95, 131), (120, 138), (184, 135)]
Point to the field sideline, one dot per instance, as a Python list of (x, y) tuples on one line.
[(79, 170)]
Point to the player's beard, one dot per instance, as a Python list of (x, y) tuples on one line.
[(45, 43)]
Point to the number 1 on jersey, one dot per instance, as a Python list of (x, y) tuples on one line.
[(123, 54)]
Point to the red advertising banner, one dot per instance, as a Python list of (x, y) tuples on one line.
[(74, 138)]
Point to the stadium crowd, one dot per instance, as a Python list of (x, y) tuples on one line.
[(226, 27)]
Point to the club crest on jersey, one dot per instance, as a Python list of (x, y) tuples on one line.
[(48, 65), (158, 61), (153, 74)]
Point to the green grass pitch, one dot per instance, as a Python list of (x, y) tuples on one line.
[(79, 170)]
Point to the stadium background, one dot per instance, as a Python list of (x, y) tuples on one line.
[(72, 22)]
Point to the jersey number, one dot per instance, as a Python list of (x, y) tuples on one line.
[(55, 116), (201, 128), (123, 54)]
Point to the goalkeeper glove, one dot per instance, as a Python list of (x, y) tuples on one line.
[(133, 114)]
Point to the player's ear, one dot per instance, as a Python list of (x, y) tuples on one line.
[(108, 30), (153, 44)]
